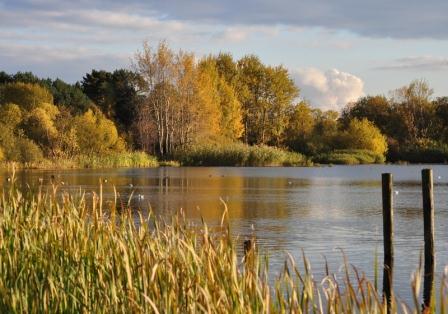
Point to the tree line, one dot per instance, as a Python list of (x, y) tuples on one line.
[(170, 101)]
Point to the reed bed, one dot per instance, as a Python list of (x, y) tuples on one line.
[(134, 159), (238, 154), (117, 160), (350, 157), (62, 253)]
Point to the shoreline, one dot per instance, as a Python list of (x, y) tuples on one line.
[(17, 166)]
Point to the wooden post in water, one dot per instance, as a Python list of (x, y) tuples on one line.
[(249, 254), (428, 229), (247, 247), (388, 235)]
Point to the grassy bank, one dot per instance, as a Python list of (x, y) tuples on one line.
[(60, 255), (115, 160), (237, 154), (349, 157)]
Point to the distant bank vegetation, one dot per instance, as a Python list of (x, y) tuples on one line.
[(209, 111)]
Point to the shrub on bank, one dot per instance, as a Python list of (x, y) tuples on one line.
[(350, 157), (432, 154), (237, 154)]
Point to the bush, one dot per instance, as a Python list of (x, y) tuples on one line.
[(364, 135), (96, 134), (237, 154), (19, 149), (437, 153), (29, 152), (350, 157)]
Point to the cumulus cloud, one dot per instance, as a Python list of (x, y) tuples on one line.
[(420, 63), (330, 90)]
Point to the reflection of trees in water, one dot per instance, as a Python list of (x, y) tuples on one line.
[(196, 190), (246, 197)]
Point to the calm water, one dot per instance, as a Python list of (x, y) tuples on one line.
[(319, 210)]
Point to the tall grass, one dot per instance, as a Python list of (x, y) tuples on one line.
[(58, 254), (117, 160), (350, 157), (238, 154), (111, 160)]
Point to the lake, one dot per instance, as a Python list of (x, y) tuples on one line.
[(318, 209)]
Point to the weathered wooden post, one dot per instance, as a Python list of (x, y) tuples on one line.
[(249, 254), (247, 247), (388, 234), (428, 229)]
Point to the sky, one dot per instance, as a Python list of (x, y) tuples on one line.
[(336, 51)]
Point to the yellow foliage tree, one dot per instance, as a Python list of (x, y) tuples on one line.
[(231, 120), (363, 134), (300, 127), (209, 113), (40, 124), (96, 134), (219, 99), (26, 95), (10, 115)]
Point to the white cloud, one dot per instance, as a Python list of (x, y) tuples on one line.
[(330, 90), (239, 33)]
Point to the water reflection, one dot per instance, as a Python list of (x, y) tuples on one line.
[(317, 209)]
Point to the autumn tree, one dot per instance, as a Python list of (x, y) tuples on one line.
[(363, 134), (39, 125), (157, 69), (376, 109), (325, 135), (440, 131), (414, 110), (227, 68), (300, 127), (224, 100), (11, 115), (184, 101), (26, 95), (231, 111), (208, 102), (266, 94), (96, 134)]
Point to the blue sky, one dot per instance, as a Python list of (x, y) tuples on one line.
[(335, 50)]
